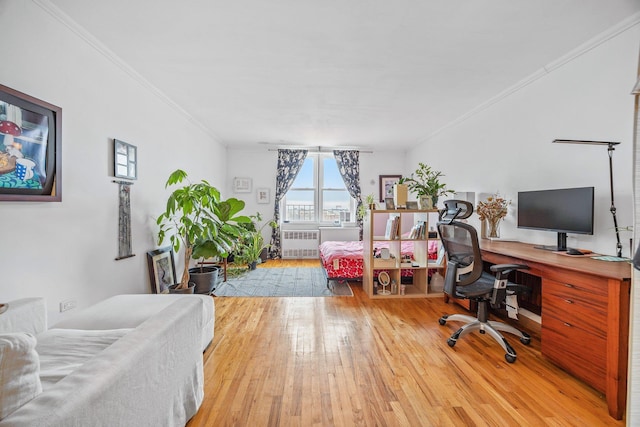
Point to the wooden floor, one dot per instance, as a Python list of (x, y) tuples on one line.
[(351, 361)]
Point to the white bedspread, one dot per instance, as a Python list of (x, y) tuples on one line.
[(62, 351)]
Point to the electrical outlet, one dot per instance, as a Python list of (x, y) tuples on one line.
[(67, 305)]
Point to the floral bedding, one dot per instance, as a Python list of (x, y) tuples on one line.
[(343, 260)]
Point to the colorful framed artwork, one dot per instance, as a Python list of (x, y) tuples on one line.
[(386, 185), (125, 160), (30, 148), (263, 195), (162, 270)]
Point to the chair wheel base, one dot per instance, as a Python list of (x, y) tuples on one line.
[(510, 358), (442, 320), (451, 342), (526, 340)]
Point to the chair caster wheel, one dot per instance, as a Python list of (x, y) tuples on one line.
[(442, 321), (451, 342), (510, 358), (525, 340)]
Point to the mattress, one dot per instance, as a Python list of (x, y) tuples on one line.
[(344, 260)]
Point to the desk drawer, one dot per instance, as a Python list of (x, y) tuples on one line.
[(575, 306), (577, 351)]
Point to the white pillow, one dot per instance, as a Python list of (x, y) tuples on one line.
[(19, 371)]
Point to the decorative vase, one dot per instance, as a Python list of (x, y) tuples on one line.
[(492, 227)]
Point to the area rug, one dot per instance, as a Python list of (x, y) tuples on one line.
[(282, 282)]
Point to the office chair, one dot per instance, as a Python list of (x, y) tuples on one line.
[(465, 278)]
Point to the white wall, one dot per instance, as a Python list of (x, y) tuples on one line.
[(507, 147), (67, 250), (259, 164)]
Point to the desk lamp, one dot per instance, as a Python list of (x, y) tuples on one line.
[(610, 149)]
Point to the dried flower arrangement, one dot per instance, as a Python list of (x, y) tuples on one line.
[(493, 210)]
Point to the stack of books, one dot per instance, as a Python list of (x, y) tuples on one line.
[(419, 230)]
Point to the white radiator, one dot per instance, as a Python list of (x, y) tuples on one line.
[(300, 243)]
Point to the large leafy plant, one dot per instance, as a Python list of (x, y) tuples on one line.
[(197, 219)]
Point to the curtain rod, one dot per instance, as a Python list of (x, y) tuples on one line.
[(321, 149)]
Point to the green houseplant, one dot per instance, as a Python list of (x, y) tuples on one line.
[(251, 243), (197, 219), (425, 183), (369, 203)]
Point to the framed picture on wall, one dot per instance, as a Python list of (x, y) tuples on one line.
[(386, 185), (263, 195), (242, 185), (125, 160), (162, 270), (30, 148)]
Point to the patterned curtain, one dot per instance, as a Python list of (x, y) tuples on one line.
[(289, 164), (349, 167)]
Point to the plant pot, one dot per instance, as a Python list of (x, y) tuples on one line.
[(189, 290), (252, 265), (264, 254), (204, 278)]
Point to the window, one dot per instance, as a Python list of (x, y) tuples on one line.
[(318, 194)]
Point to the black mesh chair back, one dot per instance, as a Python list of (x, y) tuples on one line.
[(466, 279)]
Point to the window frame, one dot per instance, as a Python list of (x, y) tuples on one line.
[(318, 190)]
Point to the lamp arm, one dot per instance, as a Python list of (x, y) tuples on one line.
[(613, 206)]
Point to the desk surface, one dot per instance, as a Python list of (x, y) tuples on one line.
[(528, 253)]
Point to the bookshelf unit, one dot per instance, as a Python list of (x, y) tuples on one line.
[(393, 229)]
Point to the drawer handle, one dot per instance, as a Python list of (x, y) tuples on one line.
[(569, 285), (568, 301), (568, 325)]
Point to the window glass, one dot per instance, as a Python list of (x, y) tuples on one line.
[(318, 194)]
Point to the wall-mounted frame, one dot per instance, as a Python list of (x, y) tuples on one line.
[(263, 195), (162, 270), (30, 148), (242, 185), (125, 160), (386, 185)]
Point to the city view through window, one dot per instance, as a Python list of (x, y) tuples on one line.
[(329, 196)]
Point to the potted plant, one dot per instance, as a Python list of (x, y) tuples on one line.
[(369, 202), (197, 219), (425, 182), (251, 246)]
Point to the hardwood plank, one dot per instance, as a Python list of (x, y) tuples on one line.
[(352, 361)]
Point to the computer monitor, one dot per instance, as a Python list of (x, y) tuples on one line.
[(568, 210)]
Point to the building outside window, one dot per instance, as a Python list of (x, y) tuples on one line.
[(318, 194)]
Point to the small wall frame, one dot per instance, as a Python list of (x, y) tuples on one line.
[(125, 160), (263, 195), (242, 185)]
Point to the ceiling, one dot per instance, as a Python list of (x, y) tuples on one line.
[(349, 73)]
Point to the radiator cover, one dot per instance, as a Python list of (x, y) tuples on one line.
[(298, 244)]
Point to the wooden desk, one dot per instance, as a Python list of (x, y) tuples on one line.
[(585, 314)]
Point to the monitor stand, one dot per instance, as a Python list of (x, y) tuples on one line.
[(561, 246)]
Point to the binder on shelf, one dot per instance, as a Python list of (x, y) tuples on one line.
[(392, 229)]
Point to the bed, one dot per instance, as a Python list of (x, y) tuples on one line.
[(343, 260)]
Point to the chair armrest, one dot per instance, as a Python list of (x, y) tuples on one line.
[(503, 270)]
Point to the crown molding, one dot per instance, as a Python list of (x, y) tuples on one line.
[(92, 41), (591, 44)]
